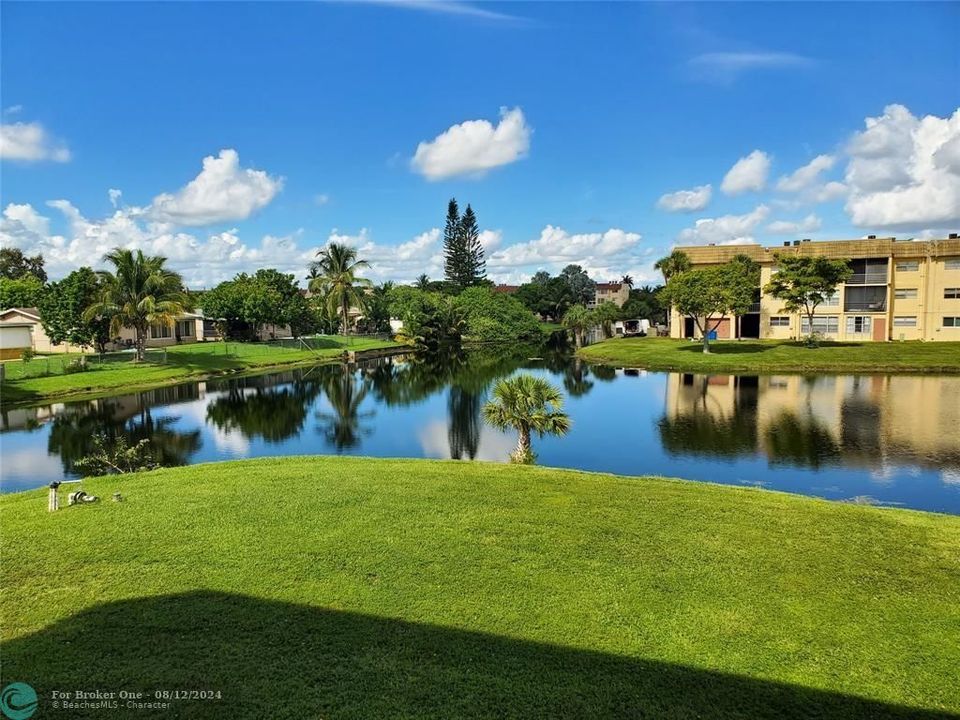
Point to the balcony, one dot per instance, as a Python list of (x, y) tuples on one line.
[(865, 299), (870, 307), (874, 278)]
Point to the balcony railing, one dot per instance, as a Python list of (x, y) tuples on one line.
[(880, 306), (868, 279), (755, 308)]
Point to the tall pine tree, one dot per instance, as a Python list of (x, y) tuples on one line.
[(452, 245), (474, 266), (464, 264)]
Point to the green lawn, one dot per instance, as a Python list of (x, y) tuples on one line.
[(182, 363), (776, 356), (358, 588)]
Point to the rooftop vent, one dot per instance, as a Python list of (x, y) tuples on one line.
[(954, 236), (786, 243), (806, 240), (796, 243), (871, 237)]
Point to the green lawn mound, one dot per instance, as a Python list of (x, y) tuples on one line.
[(769, 356), (362, 588)]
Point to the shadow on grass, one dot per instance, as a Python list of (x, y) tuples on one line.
[(729, 348), (280, 660)]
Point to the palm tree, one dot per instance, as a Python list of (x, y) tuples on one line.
[(673, 264), (578, 320), (527, 403), (139, 293), (338, 281), (627, 280), (605, 315), (423, 282)]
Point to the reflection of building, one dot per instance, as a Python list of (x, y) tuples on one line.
[(863, 420), (906, 290)]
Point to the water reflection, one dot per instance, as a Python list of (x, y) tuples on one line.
[(72, 431), (867, 421), (890, 438)]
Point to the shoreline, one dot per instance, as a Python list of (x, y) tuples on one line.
[(92, 393), (738, 357)]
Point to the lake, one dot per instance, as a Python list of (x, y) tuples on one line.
[(880, 439)]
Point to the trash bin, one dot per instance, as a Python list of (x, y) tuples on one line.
[(712, 335)]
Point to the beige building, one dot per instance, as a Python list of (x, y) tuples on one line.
[(189, 328), (616, 292), (899, 290), (39, 342), (15, 337)]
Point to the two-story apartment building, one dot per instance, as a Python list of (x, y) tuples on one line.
[(899, 290)]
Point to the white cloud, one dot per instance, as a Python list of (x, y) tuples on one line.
[(222, 192), (829, 191), (114, 195), (13, 110), (446, 7), (904, 171), (321, 199), (30, 142), (748, 173), (725, 230), (810, 223), (490, 240), (686, 200), (727, 66), (605, 255), (473, 147), (805, 177), (202, 261)]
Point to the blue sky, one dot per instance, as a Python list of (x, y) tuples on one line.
[(568, 126)]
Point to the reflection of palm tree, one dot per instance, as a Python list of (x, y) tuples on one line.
[(345, 394), (463, 431), (576, 378)]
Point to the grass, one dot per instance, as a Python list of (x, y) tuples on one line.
[(770, 356), (183, 362), (361, 588), (550, 327)]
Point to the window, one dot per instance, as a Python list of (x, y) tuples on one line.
[(831, 300), (858, 324), (905, 321), (779, 322), (185, 328), (951, 293), (905, 294), (951, 322), (158, 330), (908, 266), (952, 263), (824, 324)]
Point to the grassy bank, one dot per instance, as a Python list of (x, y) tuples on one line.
[(360, 588), (182, 362), (775, 356)]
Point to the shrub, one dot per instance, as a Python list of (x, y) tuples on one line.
[(77, 365), (496, 317), (27, 355)]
